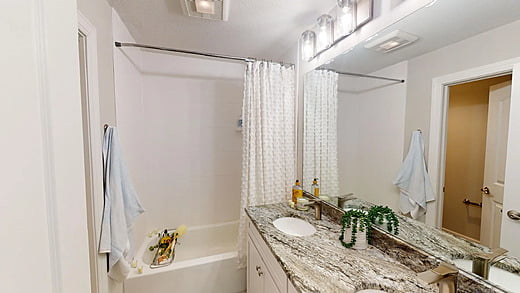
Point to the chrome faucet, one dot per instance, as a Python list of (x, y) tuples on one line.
[(445, 275), (483, 261), (317, 209)]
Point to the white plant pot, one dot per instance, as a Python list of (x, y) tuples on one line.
[(361, 238)]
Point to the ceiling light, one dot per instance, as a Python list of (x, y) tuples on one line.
[(207, 9), (391, 41), (205, 6)]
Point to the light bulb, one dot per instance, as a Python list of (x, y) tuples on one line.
[(308, 45), (345, 18), (325, 32)]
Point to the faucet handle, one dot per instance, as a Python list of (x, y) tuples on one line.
[(490, 256), (437, 274)]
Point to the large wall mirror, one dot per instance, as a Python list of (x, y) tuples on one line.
[(362, 109)]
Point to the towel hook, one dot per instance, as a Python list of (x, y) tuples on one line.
[(105, 127)]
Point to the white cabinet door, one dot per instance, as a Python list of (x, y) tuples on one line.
[(255, 282), (290, 287), (269, 285), (259, 279)]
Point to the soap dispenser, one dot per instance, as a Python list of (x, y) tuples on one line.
[(315, 188), (297, 192)]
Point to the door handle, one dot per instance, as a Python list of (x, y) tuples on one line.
[(485, 189), (513, 215)]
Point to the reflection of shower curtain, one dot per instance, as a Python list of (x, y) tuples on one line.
[(320, 149), (268, 139)]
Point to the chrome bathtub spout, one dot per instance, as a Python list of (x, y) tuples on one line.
[(483, 261)]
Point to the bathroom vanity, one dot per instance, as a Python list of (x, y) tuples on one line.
[(278, 262), (318, 263)]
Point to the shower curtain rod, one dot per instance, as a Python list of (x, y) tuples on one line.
[(213, 55), (369, 76), (235, 58)]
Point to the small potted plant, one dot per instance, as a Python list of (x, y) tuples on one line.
[(384, 216), (356, 225)]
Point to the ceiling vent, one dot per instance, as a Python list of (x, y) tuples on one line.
[(392, 41), (207, 9)]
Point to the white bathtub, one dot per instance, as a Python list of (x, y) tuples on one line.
[(205, 261)]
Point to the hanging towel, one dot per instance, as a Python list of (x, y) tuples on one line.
[(413, 180), (120, 211)]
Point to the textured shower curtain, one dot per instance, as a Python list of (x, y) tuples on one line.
[(268, 139), (320, 131)]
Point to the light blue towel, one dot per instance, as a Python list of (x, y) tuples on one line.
[(413, 179), (121, 209)]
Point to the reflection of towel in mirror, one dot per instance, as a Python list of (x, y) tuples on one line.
[(121, 209), (413, 180)]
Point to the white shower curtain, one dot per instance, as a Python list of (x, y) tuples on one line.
[(268, 139), (320, 146)]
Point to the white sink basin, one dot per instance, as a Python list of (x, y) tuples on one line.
[(505, 279), (294, 226)]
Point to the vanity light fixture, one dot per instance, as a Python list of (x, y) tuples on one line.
[(325, 31), (345, 18), (392, 41), (308, 45)]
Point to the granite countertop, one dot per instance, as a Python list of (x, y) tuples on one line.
[(319, 263), (445, 245), (439, 243)]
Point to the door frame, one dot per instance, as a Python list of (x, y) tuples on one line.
[(95, 214), (438, 123)]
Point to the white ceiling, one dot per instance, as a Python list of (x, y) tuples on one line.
[(256, 28)]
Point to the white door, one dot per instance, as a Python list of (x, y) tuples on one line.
[(494, 172), (510, 232)]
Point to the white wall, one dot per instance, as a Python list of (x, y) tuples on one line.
[(42, 192), (485, 48), (177, 121), (370, 135)]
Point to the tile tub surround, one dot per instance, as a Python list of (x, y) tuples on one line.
[(319, 263)]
